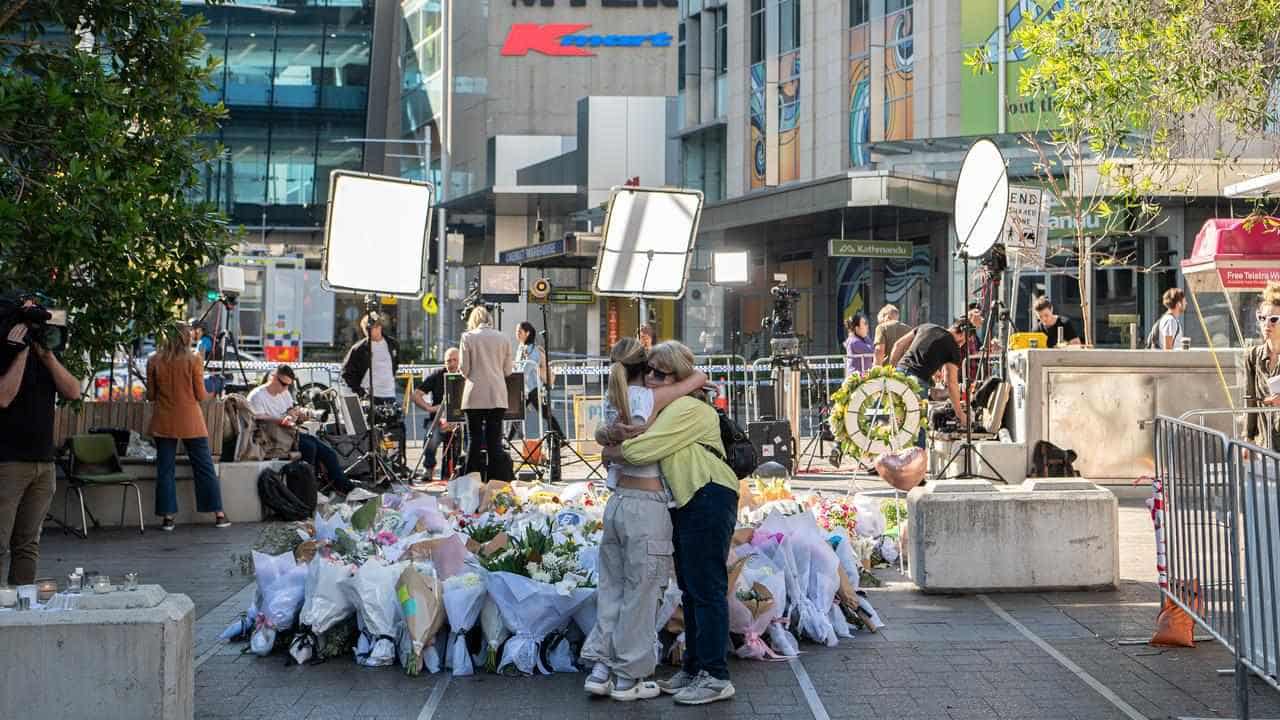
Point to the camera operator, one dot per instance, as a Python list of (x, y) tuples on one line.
[(486, 360), (273, 403), (30, 375), (441, 429), (930, 349), (386, 362)]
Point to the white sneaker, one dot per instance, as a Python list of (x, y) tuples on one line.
[(642, 690), (599, 683)]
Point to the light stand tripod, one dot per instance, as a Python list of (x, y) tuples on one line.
[(966, 451)]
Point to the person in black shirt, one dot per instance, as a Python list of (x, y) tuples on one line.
[(434, 386), (30, 376), (1049, 324), (929, 349)]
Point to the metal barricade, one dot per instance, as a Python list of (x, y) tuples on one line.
[(1221, 526)]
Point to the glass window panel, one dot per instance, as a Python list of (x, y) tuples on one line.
[(246, 159), (249, 65), (859, 12), (757, 31), (788, 25), (344, 156), (215, 35), (292, 166), (346, 59), (722, 41), (298, 69)]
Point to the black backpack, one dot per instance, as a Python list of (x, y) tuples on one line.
[(279, 500), (301, 481), (1050, 461), (740, 453)]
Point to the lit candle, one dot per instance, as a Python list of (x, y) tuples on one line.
[(46, 588), (8, 596)]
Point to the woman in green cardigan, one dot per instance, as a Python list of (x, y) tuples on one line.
[(684, 440)]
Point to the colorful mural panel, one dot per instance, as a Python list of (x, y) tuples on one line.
[(859, 96), (905, 285), (759, 157), (899, 75), (789, 117)]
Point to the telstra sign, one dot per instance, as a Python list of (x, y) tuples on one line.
[(568, 40)]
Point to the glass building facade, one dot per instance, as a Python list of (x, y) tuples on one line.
[(294, 83)]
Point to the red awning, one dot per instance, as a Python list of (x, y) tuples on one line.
[(1245, 255)]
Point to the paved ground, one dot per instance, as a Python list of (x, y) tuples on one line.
[(939, 657)]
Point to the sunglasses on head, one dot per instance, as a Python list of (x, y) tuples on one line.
[(1269, 319), (659, 374)]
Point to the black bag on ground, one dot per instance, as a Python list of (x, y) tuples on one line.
[(740, 454), (279, 500), (1049, 460), (301, 481)]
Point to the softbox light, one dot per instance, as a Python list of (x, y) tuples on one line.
[(375, 240), (500, 283), (730, 267), (647, 242)]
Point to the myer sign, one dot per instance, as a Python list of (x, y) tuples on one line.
[(886, 249)]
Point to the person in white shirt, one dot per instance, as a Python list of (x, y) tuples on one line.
[(386, 362), (273, 403), (1168, 330)]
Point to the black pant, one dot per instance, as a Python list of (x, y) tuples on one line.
[(485, 427), (701, 533)]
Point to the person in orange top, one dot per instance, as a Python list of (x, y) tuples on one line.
[(175, 384)]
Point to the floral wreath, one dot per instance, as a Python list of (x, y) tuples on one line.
[(872, 393)]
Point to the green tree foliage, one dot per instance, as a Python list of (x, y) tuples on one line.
[(100, 109), (1140, 87)]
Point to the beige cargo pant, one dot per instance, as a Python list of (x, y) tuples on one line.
[(635, 561)]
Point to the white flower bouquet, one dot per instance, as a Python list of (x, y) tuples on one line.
[(281, 589), (372, 590), (463, 599)]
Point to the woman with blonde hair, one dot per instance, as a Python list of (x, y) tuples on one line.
[(1261, 366), (486, 360), (636, 548), (684, 440), (175, 384)]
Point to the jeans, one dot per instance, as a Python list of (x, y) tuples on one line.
[(319, 454), (452, 442), (208, 492), (702, 530), (26, 488), (485, 427)]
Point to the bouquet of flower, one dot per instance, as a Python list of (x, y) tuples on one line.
[(532, 610), (326, 605), (833, 513), (758, 599), (281, 588), (373, 592), (463, 599), (495, 633), (423, 610)]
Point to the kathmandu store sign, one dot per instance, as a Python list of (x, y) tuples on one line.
[(568, 40)]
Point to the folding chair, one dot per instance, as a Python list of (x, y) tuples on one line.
[(94, 463)]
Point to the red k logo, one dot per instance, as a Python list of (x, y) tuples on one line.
[(545, 39)]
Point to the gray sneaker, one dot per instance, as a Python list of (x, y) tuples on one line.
[(705, 689), (676, 683)]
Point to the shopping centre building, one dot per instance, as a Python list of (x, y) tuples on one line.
[(811, 126)]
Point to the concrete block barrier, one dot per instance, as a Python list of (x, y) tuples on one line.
[(972, 536), (122, 655)]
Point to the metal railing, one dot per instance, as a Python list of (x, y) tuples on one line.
[(1221, 525)]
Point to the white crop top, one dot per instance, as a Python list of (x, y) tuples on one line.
[(641, 401)]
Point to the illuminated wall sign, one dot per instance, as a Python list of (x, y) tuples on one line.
[(567, 40), (603, 3)]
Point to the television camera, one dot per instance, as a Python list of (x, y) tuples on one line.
[(783, 343), (46, 327)]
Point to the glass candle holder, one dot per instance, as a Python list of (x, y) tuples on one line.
[(8, 596), (102, 584), (131, 581), (75, 582), (46, 588)]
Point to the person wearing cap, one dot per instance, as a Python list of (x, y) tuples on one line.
[(272, 402)]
